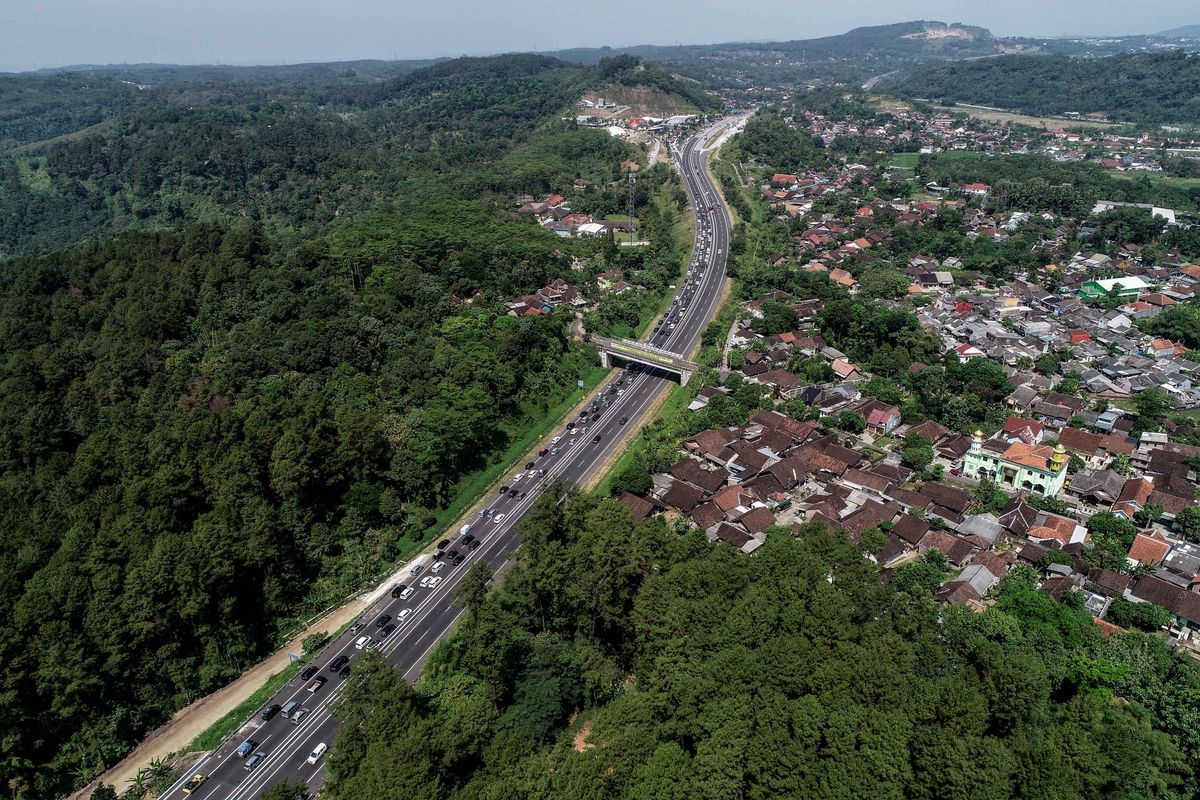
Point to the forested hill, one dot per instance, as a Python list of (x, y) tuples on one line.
[(251, 402), (290, 149), (1136, 87), (630, 662)]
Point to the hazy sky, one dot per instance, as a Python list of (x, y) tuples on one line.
[(40, 33)]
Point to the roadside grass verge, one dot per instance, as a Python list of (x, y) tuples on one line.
[(219, 730), (676, 403)]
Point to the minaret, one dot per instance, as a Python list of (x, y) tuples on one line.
[(977, 443), (1060, 458)]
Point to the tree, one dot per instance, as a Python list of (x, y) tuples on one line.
[(287, 789), (1187, 522), (1140, 616), (918, 452), (851, 422), (473, 589), (1151, 405), (1121, 464), (990, 497), (777, 317)]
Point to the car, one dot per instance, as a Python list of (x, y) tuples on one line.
[(384, 619), (450, 556), (344, 671), (358, 626), (475, 545), (398, 589), (503, 490), (468, 539), (443, 544), (387, 630), (300, 714), (596, 439), (518, 476), (254, 760), (498, 518), (194, 782), (269, 712), (622, 391), (458, 560), (317, 683), (528, 465), (338, 663), (556, 440), (407, 593), (309, 672), (246, 748), (437, 567), (404, 614), (363, 643), (522, 496), (431, 582), (316, 754)]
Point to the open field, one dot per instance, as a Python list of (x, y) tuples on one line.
[(1014, 118)]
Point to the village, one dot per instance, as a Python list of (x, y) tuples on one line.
[(1069, 448)]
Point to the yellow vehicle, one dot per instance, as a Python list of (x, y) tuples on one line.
[(194, 783)]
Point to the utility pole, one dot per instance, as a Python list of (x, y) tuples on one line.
[(632, 204)]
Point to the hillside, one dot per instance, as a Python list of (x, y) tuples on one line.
[(1134, 87), (273, 355), (85, 153), (1182, 32)]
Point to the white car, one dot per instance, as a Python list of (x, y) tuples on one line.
[(404, 614), (518, 476), (437, 567), (556, 440), (365, 643), (407, 593), (498, 518), (317, 752), (430, 582)]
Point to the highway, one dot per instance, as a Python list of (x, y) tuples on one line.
[(430, 612)]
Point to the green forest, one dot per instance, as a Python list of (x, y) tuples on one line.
[(1145, 88), (623, 661), (252, 341)]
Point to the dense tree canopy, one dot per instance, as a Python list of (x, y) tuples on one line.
[(623, 661)]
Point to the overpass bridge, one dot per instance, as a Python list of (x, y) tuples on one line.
[(627, 350)]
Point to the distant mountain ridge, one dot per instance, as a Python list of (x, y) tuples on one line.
[(1182, 32)]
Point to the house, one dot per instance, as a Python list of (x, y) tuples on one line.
[(1038, 468), (883, 420), (1019, 429), (1124, 288)]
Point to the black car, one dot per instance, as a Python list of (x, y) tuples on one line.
[(596, 439), (383, 620), (624, 420), (269, 712), (503, 490), (452, 555), (344, 671), (529, 465), (468, 539), (398, 589), (309, 672), (474, 545), (458, 560), (338, 663), (388, 629), (522, 496)]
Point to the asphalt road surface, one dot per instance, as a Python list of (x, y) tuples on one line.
[(430, 612)]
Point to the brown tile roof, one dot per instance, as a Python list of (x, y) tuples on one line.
[(639, 507), (707, 514), (733, 535), (910, 528), (1149, 547), (866, 479), (790, 471), (758, 520), (683, 496), (1038, 456), (954, 499), (1178, 601), (930, 430), (691, 471)]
